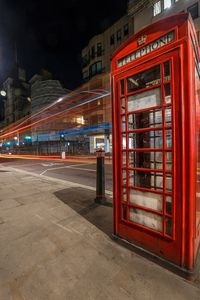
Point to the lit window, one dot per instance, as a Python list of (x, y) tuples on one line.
[(167, 3), (157, 8), (80, 120)]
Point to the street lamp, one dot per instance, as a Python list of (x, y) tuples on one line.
[(3, 93)]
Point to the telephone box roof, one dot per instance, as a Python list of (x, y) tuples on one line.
[(154, 29)]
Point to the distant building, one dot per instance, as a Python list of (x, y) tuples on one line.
[(16, 100), (44, 90)]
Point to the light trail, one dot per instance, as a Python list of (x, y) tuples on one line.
[(45, 110), (56, 114), (70, 158), (104, 78), (65, 114)]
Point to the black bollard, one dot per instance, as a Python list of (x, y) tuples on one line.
[(100, 178)]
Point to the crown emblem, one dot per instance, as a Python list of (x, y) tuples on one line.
[(142, 40)]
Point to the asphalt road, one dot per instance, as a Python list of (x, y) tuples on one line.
[(75, 171)]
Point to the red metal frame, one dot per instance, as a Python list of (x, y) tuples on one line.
[(174, 241)]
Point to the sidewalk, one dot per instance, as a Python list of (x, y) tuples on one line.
[(55, 244)]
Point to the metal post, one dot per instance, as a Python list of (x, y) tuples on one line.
[(100, 178)]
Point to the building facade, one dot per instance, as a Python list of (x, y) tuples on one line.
[(96, 56), (16, 103), (44, 90), (96, 60), (145, 12)]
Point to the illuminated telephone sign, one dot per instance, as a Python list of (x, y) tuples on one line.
[(156, 140), (160, 42)]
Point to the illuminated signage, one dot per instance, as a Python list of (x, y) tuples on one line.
[(162, 41), (142, 40)]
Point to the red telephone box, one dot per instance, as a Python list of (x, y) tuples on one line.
[(156, 117)]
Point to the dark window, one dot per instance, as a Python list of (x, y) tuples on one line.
[(99, 67), (99, 49), (126, 29), (193, 10), (85, 74), (96, 68), (85, 61), (119, 35), (93, 69), (93, 52), (112, 39)]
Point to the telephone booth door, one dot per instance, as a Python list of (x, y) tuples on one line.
[(147, 182)]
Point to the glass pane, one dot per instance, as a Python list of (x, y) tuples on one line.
[(144, 100), (168, 156), (169, 205), (168, 182), (124, 158), (123, 105), (157, 8), (123, 124), (167, 3), (168, 116), (146, 199), (151, 118), (124, 176), (124, 196), (167, 89), (146, 219), (168, 136), (166, 71), (151, 160), (150, 180), (123, 141), (147, 139), (169, 226), (144, 79)]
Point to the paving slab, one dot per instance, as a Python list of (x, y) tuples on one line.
[(56, 244)]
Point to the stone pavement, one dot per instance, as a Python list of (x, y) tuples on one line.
[(56, 244)]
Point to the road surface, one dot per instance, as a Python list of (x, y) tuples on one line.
[(82, 172)]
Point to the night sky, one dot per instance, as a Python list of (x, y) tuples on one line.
[(51, 34)]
